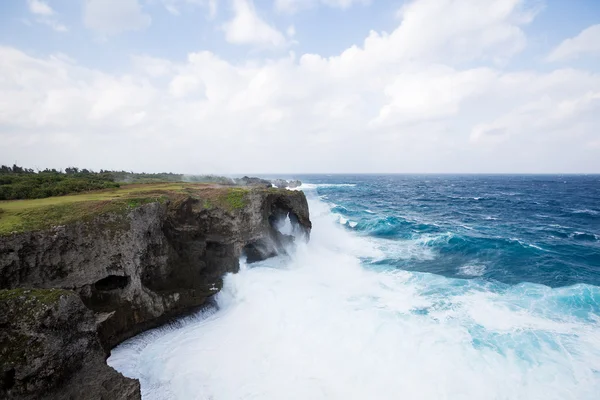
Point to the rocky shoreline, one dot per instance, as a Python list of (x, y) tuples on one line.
[(71, 293)]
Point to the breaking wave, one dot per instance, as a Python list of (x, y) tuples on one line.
[(332, 321)]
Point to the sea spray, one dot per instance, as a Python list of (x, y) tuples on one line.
[(322, 324)]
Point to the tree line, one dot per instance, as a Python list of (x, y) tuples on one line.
[(24, 183), (17, 182)]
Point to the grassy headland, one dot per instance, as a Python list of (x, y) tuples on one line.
[(22, 183), (38, 214), (36, 200)]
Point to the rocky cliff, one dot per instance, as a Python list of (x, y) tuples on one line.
[(136, 269), (48, 338)]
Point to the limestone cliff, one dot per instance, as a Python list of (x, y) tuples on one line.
[(136, 269), (47, 337)]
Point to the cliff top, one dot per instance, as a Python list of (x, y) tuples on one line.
[(30, 215)]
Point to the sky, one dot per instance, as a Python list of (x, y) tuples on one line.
[(301, 86)]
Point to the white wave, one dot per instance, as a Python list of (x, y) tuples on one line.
[(535, 246), (309, 186), (353, 224), (428, 239), (510, 193), (525, 244), (472, 270), (318, 325), (418, 249), (580, 235), (369, 212), (412, 249), (585, 211)]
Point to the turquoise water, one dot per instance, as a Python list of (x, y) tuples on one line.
[(513, 229), (428, 287)]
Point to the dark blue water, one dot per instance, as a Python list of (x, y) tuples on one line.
[(511, 229)]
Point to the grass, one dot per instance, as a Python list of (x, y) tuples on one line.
[(236, 198), (33, 296), (38, 214), (230, 199)]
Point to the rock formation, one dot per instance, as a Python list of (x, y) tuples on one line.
[(253, 181), (134, 271), (49, 336)]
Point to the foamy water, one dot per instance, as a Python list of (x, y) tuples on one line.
[(320, 325)]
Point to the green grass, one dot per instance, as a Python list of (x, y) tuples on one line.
[(38, 214), (33, 296), (236, 198), (230, 199)]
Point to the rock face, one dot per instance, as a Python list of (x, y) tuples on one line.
[(47, 337), (253, 181), (138, 270), (132, 271)]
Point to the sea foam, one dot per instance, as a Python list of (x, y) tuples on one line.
[(319, 325)]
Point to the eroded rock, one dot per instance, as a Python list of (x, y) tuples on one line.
[(49, 349)]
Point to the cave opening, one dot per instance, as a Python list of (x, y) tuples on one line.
[(8, 380), (112, 282)]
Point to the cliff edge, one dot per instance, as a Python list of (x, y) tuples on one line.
[(135, 257)]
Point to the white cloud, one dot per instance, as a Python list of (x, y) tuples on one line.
[(401, 102), (153, 67), (292, 6), (45, 15), (111, 17), (39, 7), (422, 94), (247, 27), (174, 6), (587, 42), (291, 31), (55, 25)]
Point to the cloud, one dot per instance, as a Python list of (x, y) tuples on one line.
[(291, 31), (55, 25), (174, 6), (45, 15), (247, 27), (563, 103), (111, 17), (292, 6), (386, 105), (587, 42), (39, 7)]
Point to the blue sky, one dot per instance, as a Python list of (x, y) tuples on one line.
[(350, 85)]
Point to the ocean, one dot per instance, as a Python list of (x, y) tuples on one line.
[(411, 287)]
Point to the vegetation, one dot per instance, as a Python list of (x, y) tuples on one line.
[(36, 214), (230, 199), (33, 296), (39, 214), (43, 199), (21, 183), (236, 198)]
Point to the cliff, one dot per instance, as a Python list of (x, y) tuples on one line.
[(139, 257), (48, 337)]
